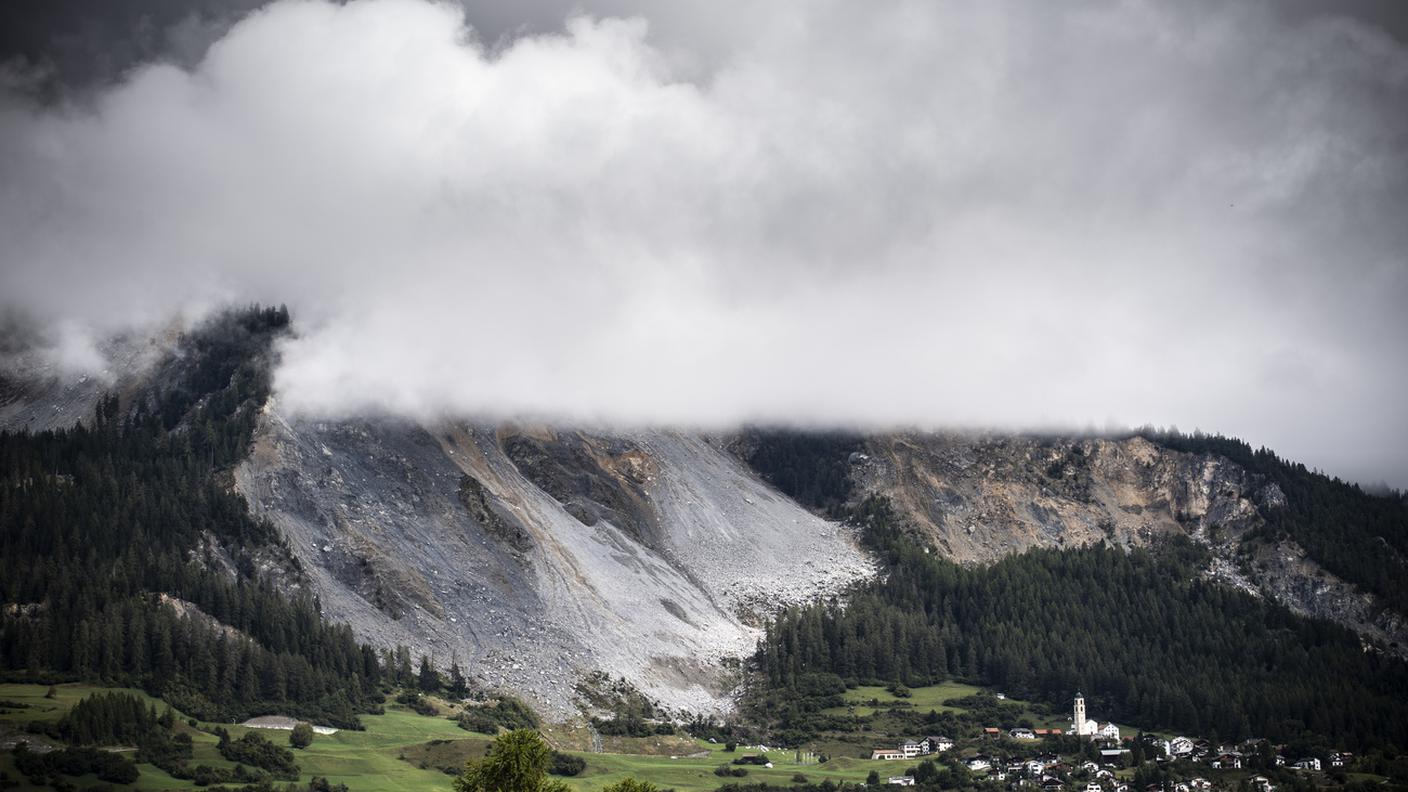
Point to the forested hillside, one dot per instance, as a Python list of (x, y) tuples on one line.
[(1361, 537), (99, 523), (1149, 641)]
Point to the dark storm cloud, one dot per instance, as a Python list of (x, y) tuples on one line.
[(1010, 214)]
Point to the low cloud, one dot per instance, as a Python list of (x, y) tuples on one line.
[(1003, 214)]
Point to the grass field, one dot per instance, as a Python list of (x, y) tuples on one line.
[(401, 750), (372, 760), (922, 699), (365, 761)]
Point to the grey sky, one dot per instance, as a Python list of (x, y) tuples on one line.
[(998, 214)]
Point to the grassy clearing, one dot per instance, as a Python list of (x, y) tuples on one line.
[(404, 751), (367, 761), (921, 699)]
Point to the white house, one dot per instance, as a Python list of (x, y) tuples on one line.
[(1020, 733), (1180, 746), (1110, 731), (901, 780), (911, 749), (887, 754), (1092, 787), (937, 744), (1308, 763), (978, 763)]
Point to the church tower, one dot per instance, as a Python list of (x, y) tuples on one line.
[(1078, 725)]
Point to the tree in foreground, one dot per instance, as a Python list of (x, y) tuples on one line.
[(631, 785), (301, 736), (517, 762)]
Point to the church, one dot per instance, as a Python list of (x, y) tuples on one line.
[(1084, 727)]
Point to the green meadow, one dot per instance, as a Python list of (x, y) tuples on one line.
[(403, 751)]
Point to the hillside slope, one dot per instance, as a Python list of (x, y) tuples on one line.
[(540, 555), (979, 497)]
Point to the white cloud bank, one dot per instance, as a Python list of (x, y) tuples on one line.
[(921, 213)]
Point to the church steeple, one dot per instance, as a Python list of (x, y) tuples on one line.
[(1078, 723)]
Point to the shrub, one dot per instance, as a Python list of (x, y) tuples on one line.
[(566, 764), (508, 712), (253, 749), (301, 736), (631, 785), (418, 703)]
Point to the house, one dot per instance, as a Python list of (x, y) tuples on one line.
[(901, 780), (1089, 767), (1103, 774), (1199, 783), (1230, 760), (938, 744), (1341, 759), (1110, 731), (1308, 763), (991, 731), (1180, 746), (978, 763), (911, 749), (1092, 787), (1051, 784), (1047, 732), (1262, 784), (1112, 754), (1020, 733), (887, 754)]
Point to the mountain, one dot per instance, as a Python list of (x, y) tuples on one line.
[(539, 557)]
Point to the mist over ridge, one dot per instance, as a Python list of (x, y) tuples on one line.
[(906, 215)]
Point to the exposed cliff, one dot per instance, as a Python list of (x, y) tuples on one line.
[(979, 496)]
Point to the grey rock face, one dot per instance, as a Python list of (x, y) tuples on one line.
[(536, 556)]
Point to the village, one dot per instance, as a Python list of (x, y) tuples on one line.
[(1105, 761)]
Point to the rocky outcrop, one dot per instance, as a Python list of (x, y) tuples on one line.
[(537, 556), (977, 497)]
